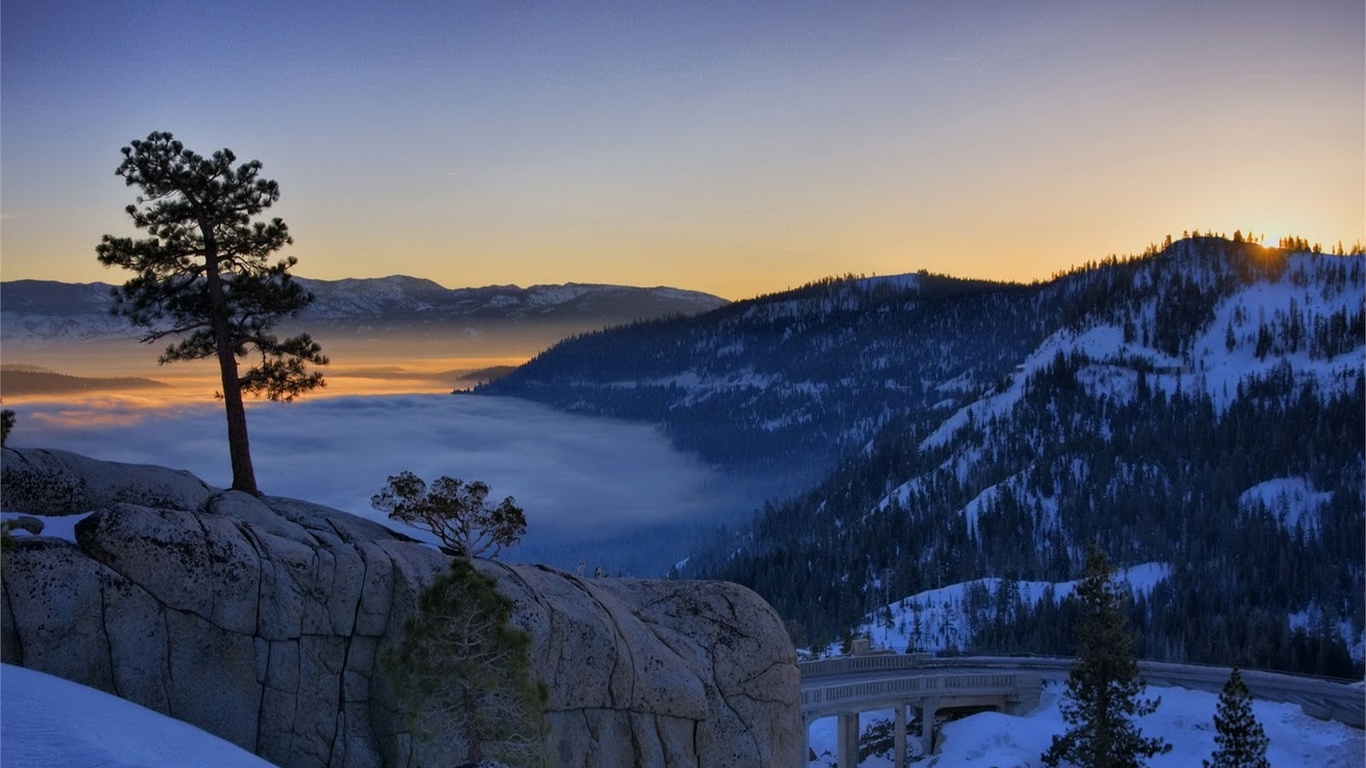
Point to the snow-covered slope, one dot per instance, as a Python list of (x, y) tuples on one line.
[(944, 618), (46, 722), (1258, 328)]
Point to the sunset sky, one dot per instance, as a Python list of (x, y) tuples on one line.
[(731, 147)]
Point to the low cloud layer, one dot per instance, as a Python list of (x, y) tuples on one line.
[(580, 479)]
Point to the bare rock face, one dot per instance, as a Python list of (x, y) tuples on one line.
[(679, 672), (62, 483), (262, 621)]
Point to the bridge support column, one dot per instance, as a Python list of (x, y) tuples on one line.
[(846, 740), (806, 741), (927, 709), (899, 737)]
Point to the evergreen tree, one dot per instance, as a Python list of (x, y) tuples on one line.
[(456, 511), (1103, 689), (462, 673), (204, 275), (878, 740), (1240, 738)]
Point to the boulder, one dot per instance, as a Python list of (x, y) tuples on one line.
[(263, 621), (41, 482)]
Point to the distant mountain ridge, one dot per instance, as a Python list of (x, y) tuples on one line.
[(50, 310), (20, 379)]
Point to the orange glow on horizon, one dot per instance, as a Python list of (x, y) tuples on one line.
[(191, 388)]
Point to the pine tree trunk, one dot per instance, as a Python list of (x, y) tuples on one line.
[(239, 447)]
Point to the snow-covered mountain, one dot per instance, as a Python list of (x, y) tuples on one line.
[(47, 310), (1198, 406)]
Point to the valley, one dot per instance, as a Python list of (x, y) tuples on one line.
[(858, 443)]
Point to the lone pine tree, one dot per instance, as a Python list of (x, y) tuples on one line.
[(1103, 688), (456, 511), (1240, 739), (206, 277)]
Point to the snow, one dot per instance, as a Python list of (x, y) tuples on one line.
[(1184, 718), (1097, 343), (680, 294), (552, 295), (1291, 499), (1211, 365), (983, 500), (48, 721), (944, 622), (901, 495), (1222, 369)]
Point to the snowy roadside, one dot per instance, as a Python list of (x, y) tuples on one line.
[(1185, 719)]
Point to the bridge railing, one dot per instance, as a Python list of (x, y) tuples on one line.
[(889, 691), (873, 662)]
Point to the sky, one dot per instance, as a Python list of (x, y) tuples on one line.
[(735, 148)]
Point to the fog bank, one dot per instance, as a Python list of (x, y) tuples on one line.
[(600, 491)]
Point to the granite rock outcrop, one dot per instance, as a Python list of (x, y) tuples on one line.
[(261, 620)]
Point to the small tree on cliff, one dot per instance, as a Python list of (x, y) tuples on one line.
[(205, 276), (1242, 742), (1103, 688), (456, 511), (462, 673)]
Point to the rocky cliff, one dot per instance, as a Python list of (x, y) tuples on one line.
[(261, 621)]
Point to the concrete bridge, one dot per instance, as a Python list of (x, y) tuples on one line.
[(846, 686)]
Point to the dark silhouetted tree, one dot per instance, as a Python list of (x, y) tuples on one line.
[(7, 419), (205, 276), (1240, 739), (878, 740), (456, 511), (1103, 689), (462, 673)]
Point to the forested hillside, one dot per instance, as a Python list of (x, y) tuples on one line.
[(1202, 408), (780, 386)]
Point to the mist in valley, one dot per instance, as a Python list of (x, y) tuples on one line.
[(597, 492)]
